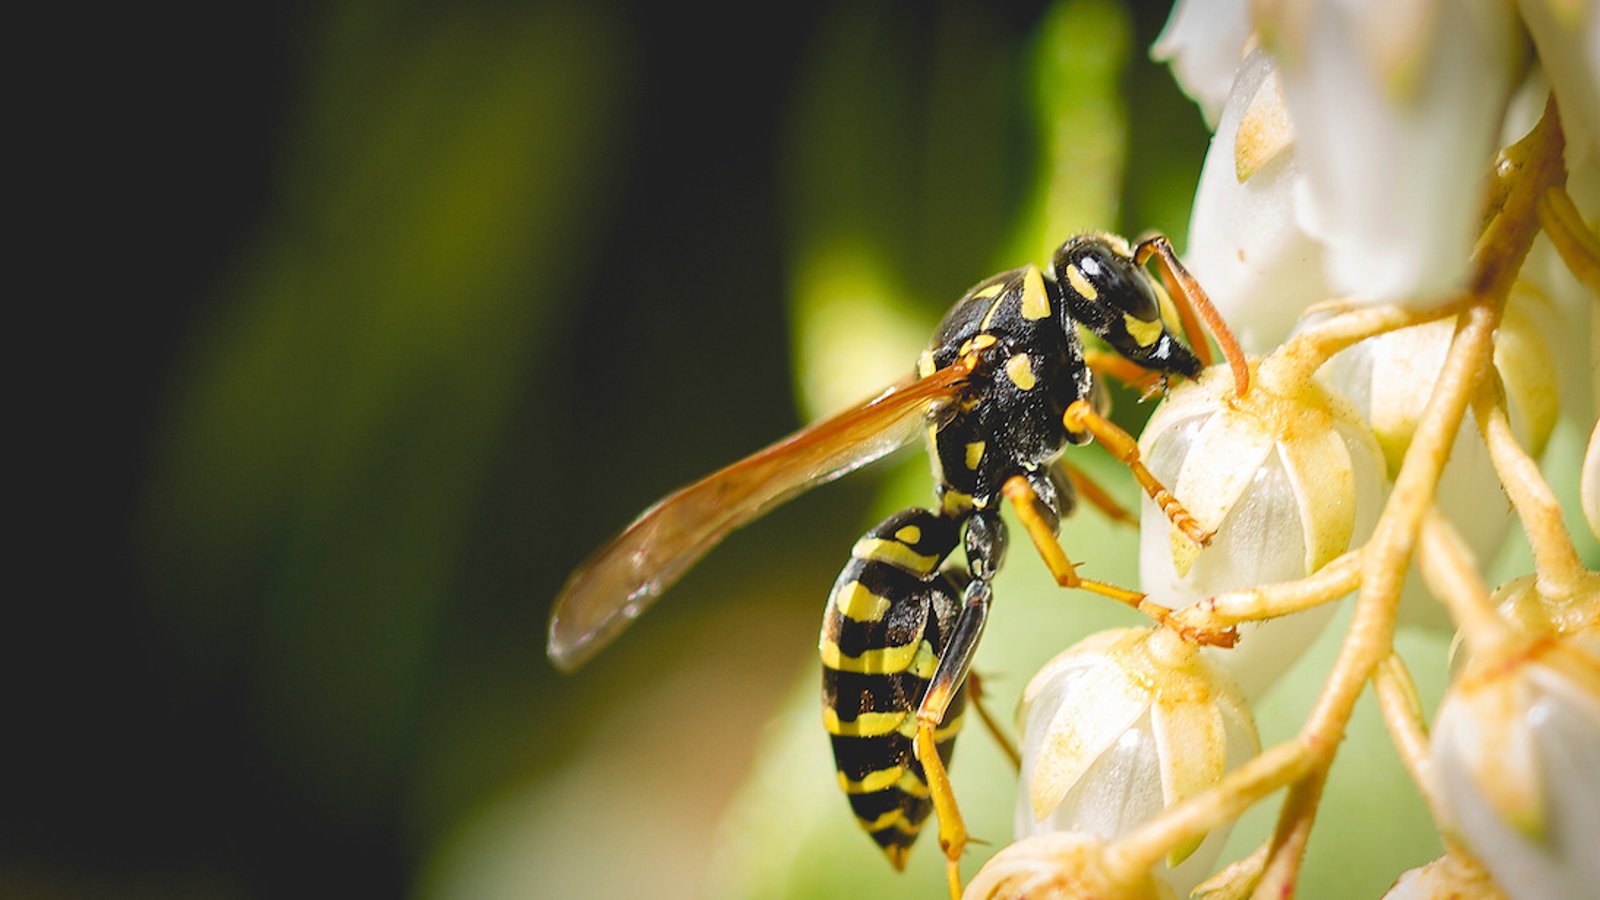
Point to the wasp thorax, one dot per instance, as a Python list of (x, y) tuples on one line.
[(1288, 479), (1119, 727), (1516, 746)]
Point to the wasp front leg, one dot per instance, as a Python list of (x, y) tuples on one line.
[(1082, 418)]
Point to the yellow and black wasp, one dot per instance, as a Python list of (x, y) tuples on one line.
[(1004, 386)]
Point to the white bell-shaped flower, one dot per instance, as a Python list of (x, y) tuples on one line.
[(1397, 110), (1389, 378), (1119, 727), (1057, 866), (1288, 483), (1575, 618), (1566, 34), (1444, 879), (1246, 245), (1516, 748), (1203, 42)]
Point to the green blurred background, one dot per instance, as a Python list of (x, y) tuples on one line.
[(398, 310)]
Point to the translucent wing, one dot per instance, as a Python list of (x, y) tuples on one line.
[(627, 575)]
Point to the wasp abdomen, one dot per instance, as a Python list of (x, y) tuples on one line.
[(888, 619)]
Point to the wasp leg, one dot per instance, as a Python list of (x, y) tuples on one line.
[(1080, 484), (1038, 518), (1123, 369), (1042, 524), (1081, 417), (975, 696), (1192, 300), (954, 665)]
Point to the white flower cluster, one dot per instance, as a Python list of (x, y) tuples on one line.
[(1351, 172), (1353, 143)]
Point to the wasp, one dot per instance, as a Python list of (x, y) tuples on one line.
[(1004, 386)]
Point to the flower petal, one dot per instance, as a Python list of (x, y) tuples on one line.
[(1393, 130), (1318, 465), (1246, 246), (1222, 462), (1194, 752), (1203, 42), (1096, 705)]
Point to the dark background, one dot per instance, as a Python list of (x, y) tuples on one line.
[(358, 326)]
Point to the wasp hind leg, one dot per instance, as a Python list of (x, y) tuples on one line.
[(946, 686)]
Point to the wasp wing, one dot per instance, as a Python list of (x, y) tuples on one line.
[(619, 582)]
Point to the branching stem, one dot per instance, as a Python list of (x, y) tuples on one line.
[(1302, 763)]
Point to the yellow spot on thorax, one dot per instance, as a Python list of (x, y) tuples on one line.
[(981, 342), (954, 503), (1035, 302), (909, 534), (974, 454), (990, 290), (1019, 369), (989, 316)]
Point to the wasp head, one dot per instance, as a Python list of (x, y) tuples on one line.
[(1106, 291)]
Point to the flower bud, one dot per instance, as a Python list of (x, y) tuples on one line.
[(1288, 482), (1389, 378), (1578, 617), (1056, 866), (1396, 108), (1516, 746), (1445, 877), (1258, 264), (1122, 725)]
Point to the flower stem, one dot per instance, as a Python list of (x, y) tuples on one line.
[(1575, 241), (1268, 601), (1452, 576), (1402, 715), (1535, 165), (1561, 572), (1288, 367)]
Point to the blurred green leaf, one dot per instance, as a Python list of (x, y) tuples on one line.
[(1079, 55), (330, 431)]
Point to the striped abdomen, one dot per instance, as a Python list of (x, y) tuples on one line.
[(888, 619)]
